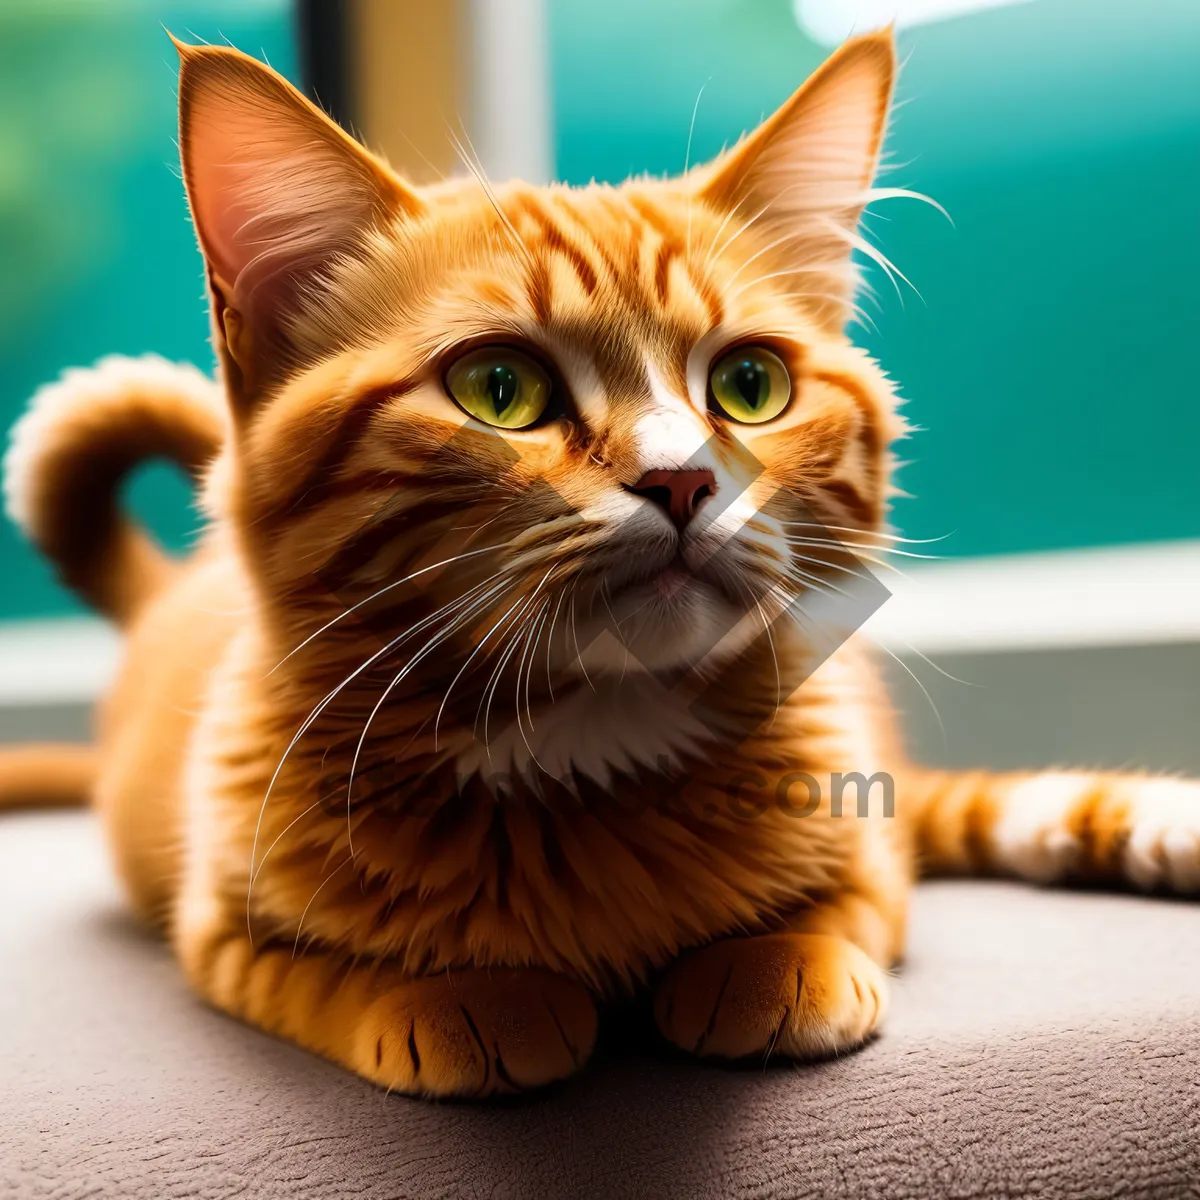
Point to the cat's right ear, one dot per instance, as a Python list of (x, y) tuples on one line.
[(278, 192)]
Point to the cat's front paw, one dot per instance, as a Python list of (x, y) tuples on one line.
[(799, 995), (477, 1033)]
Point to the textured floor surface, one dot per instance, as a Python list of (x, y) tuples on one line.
[(1039, 1044)]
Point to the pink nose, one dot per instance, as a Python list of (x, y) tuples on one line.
[(677, 493)]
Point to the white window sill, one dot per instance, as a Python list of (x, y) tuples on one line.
[(1117, 596)]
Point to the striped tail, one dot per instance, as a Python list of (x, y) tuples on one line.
[(1061, 827)]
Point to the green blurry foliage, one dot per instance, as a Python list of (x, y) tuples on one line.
[(96, 252)]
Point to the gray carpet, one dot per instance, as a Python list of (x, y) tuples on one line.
[(1040, 1044)]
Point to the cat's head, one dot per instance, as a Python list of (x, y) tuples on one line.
[(610, 426)]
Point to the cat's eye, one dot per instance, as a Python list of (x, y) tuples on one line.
[(500, 386), (750, 385)]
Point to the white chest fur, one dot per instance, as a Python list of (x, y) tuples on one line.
[(595, 731)]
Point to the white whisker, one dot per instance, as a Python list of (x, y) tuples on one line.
[(775, 660), (799, 575), (925, 693), (541, 618), (817, 562), (472, 163), (383, 590), (253, 878), (493, 683), (713, 252), (425, 650), (479, 646), (578, 654), (320, 888), (875, 533), (324, 703), (687, 162), (550, 642)]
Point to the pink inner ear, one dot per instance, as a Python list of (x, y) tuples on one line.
[(815, 157), (823, 160), (277, 191), (803, 177), (267, 209)]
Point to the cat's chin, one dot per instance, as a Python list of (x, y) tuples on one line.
[(674, 621)]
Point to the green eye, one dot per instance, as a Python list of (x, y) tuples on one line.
[(500, 386), (750, 384)]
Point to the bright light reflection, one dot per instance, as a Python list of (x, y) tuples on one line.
[(832, 21)]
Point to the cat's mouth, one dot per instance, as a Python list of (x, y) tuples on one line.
[(659, 614), (671, 578), (671, 581)]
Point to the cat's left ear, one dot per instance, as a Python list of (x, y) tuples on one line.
[(279, 194), (804, 175)]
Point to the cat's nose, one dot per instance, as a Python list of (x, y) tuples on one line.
[(677, 493)]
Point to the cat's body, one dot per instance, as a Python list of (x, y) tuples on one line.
[(451, 730), (606, 893)]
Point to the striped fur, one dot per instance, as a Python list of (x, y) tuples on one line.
[(417, 759), (1061, 827)]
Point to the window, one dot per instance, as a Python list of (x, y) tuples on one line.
[(98, 254)]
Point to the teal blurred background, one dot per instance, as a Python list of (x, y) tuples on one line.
[(97, 253), (1047, 361)]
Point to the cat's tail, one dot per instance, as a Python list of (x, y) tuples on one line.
[(1057, 826), (75, 446), (46, 776)]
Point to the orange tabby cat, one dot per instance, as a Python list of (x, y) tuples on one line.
[(478, 702)]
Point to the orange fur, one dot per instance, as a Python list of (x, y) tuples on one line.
[(47, 776), (379, 763)]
